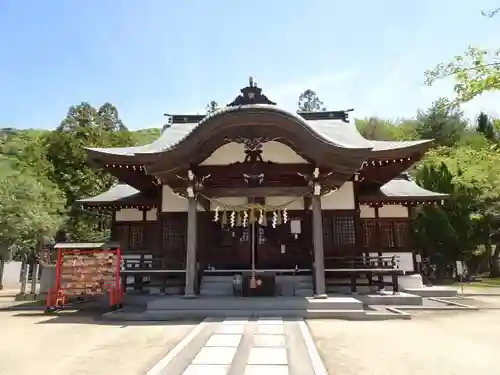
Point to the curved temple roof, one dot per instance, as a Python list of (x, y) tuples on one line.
[(334, 132)]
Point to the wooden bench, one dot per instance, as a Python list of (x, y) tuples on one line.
[(357, 266)]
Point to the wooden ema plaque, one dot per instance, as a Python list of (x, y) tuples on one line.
[(88, 272)]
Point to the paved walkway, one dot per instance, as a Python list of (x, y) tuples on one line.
[(238, 346)]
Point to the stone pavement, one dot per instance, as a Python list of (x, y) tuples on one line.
[(238, 346)]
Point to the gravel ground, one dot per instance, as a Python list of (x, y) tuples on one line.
[(75, 344), (441, 343)]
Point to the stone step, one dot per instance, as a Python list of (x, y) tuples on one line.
[(433, 291), (253, 303)]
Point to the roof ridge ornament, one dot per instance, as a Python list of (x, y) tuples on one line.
[(252, 94)]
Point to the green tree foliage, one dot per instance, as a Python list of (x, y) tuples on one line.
[(84, 126), (442, 122), (384, 130), (485, 126), (444, 232), (464, 224), (474, 73), (309, 101), (30, 208)]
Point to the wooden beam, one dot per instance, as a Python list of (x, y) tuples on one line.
[(256, 191), (204, 202)]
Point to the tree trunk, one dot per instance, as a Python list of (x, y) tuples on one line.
[(494, 268), (2, 266)]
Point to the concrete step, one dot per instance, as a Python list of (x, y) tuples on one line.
[(433, 291), (254, 303)]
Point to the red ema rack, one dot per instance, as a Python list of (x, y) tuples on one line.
[(86, 273)]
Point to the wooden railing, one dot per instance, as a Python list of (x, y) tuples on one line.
[(356, 267)]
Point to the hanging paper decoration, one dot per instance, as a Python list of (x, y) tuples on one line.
[(224, 218), (275, 219), (238, 219), (216, 214), (232, 219), (285, 216), (261, 216), (245, 219)]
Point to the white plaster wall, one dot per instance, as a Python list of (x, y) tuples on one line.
[(273, 151), (229, 201), (174, 203), (405, 260), (366, 212), (297, 203), (128, 214), (133, 214), (11, 275), (393, 210), (152, 214), (342, 199)]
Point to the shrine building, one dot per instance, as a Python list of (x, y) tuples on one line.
[(258, 191)]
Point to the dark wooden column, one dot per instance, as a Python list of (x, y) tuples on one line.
[(191, 249), (319, 259), (112, 234)]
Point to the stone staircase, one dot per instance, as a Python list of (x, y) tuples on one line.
[(295, 285), (216, 286)]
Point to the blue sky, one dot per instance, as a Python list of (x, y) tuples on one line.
[(154, 56)]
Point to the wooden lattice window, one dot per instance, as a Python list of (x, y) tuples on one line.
[(121, 235), (369, 233), (344, 230), (401, 234), (327, 229), (386, 234), (136, 239), (174, 231)]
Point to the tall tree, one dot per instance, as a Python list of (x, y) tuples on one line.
[(109, 119), (212, 107), (309, 101), (84, 126), (475, 72), (485, 126), (442, 122)]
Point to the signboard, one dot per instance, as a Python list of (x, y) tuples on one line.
[(85, 270), (88, 272)]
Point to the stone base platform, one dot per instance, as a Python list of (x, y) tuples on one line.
[(256, 304), (389, 299), (175, 308)]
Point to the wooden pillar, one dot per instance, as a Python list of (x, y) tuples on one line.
[(319, 259), (112, 233), (379, 241), (144, 226), (191, 249)]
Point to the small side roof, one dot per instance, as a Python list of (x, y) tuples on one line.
[(119, 195), (399, 190)]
